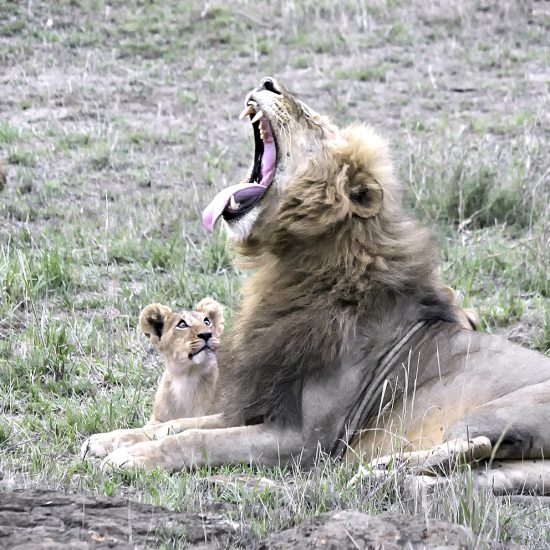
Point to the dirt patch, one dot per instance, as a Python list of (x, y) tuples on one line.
[(136, 93)]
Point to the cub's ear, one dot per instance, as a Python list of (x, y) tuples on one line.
[(214, 311), (152, 320)]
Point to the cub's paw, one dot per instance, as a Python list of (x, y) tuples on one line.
[(141, 454), (102, 444)]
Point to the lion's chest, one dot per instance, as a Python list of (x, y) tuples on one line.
[(327, 402)]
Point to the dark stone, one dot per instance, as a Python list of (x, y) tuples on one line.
[(49, 519), (390, 531), (32, 520)]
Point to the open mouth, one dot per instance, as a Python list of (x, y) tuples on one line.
[(235, 201)]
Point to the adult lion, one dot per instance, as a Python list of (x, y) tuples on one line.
[(345, 340)]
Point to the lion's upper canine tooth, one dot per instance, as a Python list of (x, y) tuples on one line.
[(248, 110), (258, 116)]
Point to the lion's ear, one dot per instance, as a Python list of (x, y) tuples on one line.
[(450, 293), (468, 317), (152, 320), (365, 194), (214, 311), (473, 317), (369, 167)]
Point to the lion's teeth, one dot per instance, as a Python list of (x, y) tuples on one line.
[(258, 116), (249, 110), (233, 204)]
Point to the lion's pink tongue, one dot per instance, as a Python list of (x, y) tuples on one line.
[(214, 210)]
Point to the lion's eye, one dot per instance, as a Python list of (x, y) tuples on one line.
[(182, 324), (207, 321)]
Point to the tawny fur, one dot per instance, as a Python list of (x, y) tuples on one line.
[(186, 388), (347, 341), (337, 248)]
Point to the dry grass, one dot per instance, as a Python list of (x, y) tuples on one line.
[(118, 123)]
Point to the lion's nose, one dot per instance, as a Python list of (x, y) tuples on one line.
[(270, 84), (205, 336)]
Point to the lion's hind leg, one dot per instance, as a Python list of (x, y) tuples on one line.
[(510, 477), (507, 477), (441, 459), (517, 424)]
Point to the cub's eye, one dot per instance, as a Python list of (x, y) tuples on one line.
[(182, 324), (207, 321)]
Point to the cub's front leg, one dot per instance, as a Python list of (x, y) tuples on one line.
[(103, 444)]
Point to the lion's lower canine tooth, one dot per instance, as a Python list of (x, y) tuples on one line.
[(258, 116), (249, 110), (233, 204)]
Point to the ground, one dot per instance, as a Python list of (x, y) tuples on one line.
[(118, 124)]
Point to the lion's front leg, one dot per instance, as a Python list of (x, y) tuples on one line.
[(260, 445), (102, 444)]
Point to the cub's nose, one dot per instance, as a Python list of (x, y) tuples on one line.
[(205, 336)]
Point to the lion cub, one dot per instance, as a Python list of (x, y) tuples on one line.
[(187, 342)]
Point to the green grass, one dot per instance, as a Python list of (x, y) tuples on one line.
[(119, 124)]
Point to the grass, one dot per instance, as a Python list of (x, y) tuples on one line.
[(118, 123)]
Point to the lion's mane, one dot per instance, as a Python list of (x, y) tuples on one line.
[(338, 257)]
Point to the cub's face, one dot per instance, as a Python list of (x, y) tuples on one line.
[(184, 338)]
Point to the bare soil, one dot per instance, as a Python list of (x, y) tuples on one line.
[(158, 88)]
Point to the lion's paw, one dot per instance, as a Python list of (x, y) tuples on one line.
[(97, 445), (141, 454), (102, 444)]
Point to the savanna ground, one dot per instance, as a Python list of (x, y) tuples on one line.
[(118, 123)]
